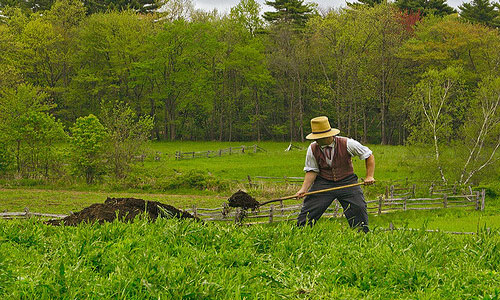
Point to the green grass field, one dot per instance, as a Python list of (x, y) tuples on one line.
[(173, 259), (391, 160)]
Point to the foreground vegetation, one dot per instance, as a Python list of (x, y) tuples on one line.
[(173, 259)]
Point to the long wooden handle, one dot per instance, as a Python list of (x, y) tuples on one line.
[(314, 192)]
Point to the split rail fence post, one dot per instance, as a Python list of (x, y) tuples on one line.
[(27, 212), (271, 211), (242, 149), (386, 191), (195, 211), (282, 207), (483, 196), (404, 203), (445, 200), (220, 152), (478, 199), (255, 148), (230, 149), (380, 200), (193, 154)]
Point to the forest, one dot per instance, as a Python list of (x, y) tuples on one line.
[(390, 73)]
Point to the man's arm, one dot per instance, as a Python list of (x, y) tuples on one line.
[(308, 181), (370, 169)]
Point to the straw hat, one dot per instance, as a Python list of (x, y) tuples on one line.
[(321, 129)]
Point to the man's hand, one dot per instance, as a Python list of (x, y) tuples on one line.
[(300, 194), (369, 180)]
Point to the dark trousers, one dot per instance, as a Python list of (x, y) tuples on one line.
[(351, 199)]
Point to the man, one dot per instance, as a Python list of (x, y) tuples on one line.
[(328, 164)]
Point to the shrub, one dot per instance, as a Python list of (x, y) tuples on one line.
[(127, 135), (87, 143)]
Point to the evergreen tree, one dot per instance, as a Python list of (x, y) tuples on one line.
[(425, 7), (362, 3), (143, 6), (482, 12), (291, 12), (33, 5), (92, 6)]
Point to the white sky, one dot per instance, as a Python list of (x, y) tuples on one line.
[(225, 5)]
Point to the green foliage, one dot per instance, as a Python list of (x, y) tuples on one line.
[(217, 78), (28, 5), (481, 132), (143, 6), (482, 12), (91, 6), (363, 3), (107, 47), (127, 135), (436, 110), (221, 261), (426, 7), (292, 13), (5, 156), (31, 133), (247, 12), (66, 14), (88, 138)]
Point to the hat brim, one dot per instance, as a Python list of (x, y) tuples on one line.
[(315, 136)]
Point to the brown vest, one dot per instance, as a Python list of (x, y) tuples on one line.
[(341, 161)]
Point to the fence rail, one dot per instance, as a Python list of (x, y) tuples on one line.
[(218, 153), (28, 214)]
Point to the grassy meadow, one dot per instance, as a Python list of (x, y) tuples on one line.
[(173, 259)]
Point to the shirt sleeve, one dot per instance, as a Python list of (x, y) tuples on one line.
[(311, 163), (356, 149)]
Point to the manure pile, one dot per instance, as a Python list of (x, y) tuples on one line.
[(243, 200), (126, 209)]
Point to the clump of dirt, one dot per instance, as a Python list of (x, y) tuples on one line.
[(243, 200), (125, 209)]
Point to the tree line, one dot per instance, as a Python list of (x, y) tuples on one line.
[(388, 73)]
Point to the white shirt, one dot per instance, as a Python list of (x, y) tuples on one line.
[(354, 148)]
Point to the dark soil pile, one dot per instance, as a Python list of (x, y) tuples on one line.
[(243, 200), (126, 209)]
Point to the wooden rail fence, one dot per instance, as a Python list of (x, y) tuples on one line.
[(28, 214), (281, 212), (218, 153)]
